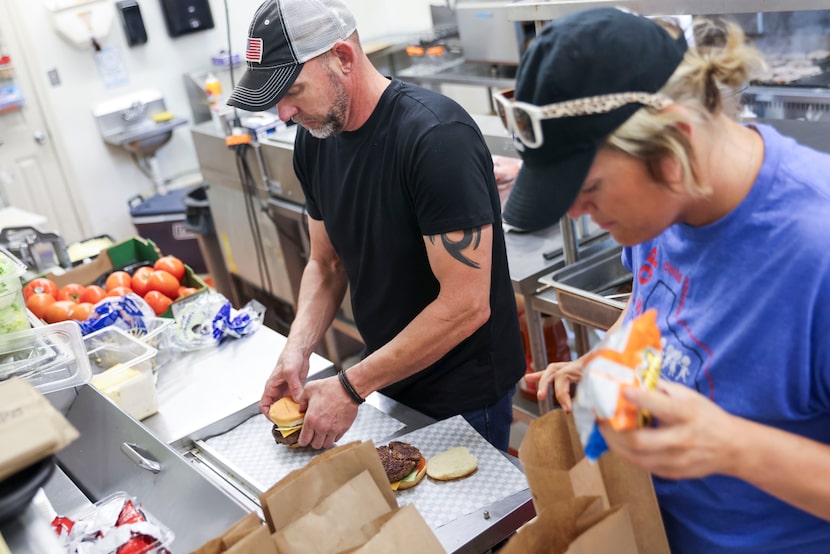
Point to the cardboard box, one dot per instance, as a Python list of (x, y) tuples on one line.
[(123, 254)]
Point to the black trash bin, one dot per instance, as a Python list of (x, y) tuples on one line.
[(198, 220), (161, 218)]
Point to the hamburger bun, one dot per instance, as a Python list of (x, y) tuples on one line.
[(288, 420), (403, 463), (454, 463)]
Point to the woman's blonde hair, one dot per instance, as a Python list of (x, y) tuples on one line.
[(708, 82)]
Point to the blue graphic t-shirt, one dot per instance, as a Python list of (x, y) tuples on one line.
[(744, 310)]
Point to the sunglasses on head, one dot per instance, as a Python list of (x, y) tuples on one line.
[(524, 120)]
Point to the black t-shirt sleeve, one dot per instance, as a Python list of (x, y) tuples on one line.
[(300, 152), (451, 174)]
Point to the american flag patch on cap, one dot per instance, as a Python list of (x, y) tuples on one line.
[(254, 51)]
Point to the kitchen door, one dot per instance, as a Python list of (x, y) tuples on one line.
[(31, 177)]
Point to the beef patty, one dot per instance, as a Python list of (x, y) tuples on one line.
[(399, 459), (290, 440)]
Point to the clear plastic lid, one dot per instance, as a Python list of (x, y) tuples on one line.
[(51, 357)]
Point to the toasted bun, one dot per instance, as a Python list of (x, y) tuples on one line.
[(454, 463), (418, 476), (286, 413)]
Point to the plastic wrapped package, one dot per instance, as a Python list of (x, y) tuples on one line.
[(117, 523), (204, 320), (631, 356)]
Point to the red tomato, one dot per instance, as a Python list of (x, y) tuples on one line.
[(61, 310), (158, 301), (119, 291), (40, 285), (71, 292), (172, 265), (186, 291), (164, 282), (92, 294), (118, 279), (141, 276), (82, 311), (39, 302)]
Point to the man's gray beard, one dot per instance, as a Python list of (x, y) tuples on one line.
[(327, 130)]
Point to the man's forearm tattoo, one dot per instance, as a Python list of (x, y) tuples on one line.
[(471, 238)]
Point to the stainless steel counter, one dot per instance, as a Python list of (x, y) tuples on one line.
[(199, 388), (461, 72)]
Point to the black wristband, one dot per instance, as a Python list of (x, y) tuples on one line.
[(349, 388)]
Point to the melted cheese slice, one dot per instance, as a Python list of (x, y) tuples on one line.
[(288, 430)]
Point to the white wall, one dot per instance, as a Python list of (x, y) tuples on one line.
[(104, 176)]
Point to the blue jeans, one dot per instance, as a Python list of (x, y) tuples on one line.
[(493, 422)]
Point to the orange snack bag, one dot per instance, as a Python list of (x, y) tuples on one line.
[(629, 357)]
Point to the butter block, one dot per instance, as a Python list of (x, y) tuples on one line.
[(132, 390)]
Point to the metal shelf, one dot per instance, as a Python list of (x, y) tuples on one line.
[(543, 11)]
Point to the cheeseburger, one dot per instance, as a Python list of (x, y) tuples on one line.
[(403, 463), (288, 420)]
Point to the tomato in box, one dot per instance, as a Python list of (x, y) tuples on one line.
[(123, 254), (40, 285)]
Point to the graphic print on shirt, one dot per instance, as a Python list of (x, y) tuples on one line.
[(686, 359)]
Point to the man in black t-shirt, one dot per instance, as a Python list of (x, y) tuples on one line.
[(403, 207)]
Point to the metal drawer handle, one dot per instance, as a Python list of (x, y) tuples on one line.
[(140, 457)]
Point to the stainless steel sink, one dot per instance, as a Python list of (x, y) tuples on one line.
[(130, 121), (593, 291), (145, 139)]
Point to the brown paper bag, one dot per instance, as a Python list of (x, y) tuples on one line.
[(575, 526), (556, 469), (336, 523), (403, 531), (235, 533), (258, 541), (301, 490), (31, 427)]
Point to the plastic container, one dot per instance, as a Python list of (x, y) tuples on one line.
[(51, 357), (123, 370), (154, 334), (104, 514), (111, 346), (13, 316)]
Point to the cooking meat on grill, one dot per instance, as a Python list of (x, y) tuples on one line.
[(399, 459)]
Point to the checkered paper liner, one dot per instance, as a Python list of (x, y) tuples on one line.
[(250, 449), (441, 502)]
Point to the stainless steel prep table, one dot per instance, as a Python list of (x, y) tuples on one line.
[(206, 394), (202, 388), (232, 403)]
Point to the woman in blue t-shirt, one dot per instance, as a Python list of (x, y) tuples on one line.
[(725, 229)]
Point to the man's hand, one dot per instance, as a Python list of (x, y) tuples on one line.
[(562, 375), (286, 379), (329, 412)]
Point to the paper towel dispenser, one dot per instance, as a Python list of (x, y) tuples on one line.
[(186, 16)]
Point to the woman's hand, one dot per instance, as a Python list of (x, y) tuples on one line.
[(562, 375), (693, 438)]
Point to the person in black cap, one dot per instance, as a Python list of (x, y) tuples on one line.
[(725, 229), (404, 209)]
